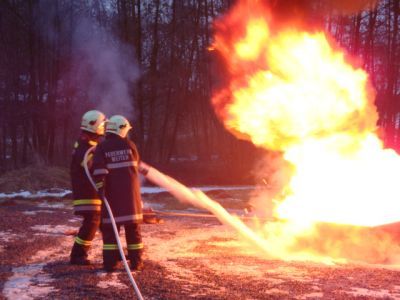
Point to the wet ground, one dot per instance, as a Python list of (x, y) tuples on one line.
[(185, 258)]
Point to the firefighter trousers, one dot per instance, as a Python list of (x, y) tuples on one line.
[(83, 241), (133, 237)]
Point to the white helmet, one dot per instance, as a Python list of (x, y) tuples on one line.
[(93, 121), (118, 125)]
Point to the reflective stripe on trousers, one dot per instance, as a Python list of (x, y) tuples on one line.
[(135, 246), (110, 246), (87, 201), (82, 242)]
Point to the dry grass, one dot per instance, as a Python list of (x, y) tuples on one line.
[(34, 178)]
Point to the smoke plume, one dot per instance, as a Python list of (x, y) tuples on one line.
[(97, 70), (104, 69)]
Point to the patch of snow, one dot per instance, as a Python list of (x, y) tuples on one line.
[(6, 236), (110, 281), (313, 295), (179, 247), (46, 204), (54, 193), (34, 212), (276, 291), (28, 282), (363, 292), (23, 194), (57, 229), (275, 281), (184, 245)]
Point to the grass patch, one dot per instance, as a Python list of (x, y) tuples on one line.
[(34, 178)]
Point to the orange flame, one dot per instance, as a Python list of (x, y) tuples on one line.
[(296, 92)]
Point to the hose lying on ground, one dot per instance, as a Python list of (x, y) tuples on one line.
[(114, 225), (201, 215)]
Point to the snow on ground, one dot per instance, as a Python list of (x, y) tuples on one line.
[(56, 230), (46, 204), (35, 212), (171, 247), (377, 294), (31, 281), (60, 193), (6, 236), (182, 245), (313, 295), (53, 193), (110, 281), (187, 249), (28, 282)]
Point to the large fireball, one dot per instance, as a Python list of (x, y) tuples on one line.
[(296, 92)]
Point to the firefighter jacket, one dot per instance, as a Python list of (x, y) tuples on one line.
[(85, 196), (115, 169)]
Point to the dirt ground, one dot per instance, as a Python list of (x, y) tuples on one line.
[(185, 258)]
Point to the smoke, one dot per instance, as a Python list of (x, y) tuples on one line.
[(103, 69), (97, 70)]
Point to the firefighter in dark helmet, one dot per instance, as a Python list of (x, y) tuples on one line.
[(116, 173), (86, 200)]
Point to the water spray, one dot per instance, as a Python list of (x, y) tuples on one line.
[(114, 225), (199, 199)]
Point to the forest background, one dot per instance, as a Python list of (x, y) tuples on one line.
[(151, 61)]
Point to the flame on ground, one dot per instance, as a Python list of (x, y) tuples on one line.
[(297, 93)]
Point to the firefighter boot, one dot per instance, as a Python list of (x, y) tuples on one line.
[(136, 260), (79, 255), (111, 261), (110, 267)]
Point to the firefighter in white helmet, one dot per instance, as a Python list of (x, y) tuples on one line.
[(116, 173), (86, 200)]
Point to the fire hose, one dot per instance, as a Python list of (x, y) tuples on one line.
[(114, 225)]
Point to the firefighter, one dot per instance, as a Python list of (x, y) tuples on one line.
[(86, 200), (116, 173)]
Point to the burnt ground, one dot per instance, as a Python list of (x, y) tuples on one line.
[(185, 258)]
